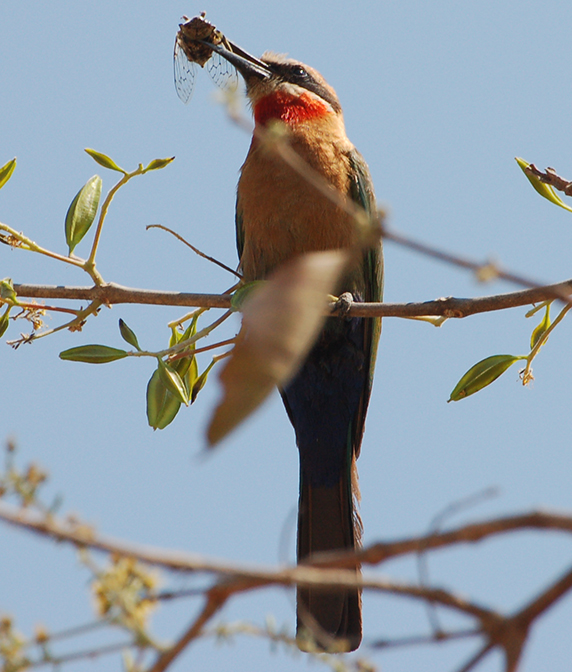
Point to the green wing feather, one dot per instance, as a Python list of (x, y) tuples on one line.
[(361, 192)]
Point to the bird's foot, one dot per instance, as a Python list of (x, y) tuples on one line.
[(343, 304)]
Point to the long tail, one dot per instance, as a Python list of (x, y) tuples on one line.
[(326, 522), (326, 404)]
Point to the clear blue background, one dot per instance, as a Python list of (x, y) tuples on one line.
[(439, 97)]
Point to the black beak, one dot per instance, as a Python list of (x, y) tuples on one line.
[(249, 66)]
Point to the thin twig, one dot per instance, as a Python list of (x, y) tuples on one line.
[(552, 178), (76, 631), (75, 324), (94, 652), (526, 374), (215, 600), (470, 665), (434, 527), (484, 271), (195, 249), (28, 244), (38, 306), (420, 640), (206, 348)]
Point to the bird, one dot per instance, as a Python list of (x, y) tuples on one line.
[(279, 216)]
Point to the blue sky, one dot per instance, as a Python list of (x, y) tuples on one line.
[(439, 98)]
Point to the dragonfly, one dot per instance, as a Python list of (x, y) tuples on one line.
[(191, 51)]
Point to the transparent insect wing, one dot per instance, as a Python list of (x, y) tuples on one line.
[(184, 72), (223, 74)]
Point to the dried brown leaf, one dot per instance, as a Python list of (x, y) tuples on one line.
[(281, 321)]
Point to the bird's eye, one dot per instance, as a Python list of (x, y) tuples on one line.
[(299, 72)]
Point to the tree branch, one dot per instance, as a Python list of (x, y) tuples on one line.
[(307, 574), (450, 307), (112, 293), (506, 632), (472, 533)]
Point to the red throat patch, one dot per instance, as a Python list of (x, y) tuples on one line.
[(288, 108)]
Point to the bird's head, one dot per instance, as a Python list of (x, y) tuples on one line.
[(282, 88)]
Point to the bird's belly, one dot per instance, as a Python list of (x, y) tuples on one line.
[(271, 242), (284, 216)]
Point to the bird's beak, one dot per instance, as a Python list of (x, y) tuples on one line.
[(249, 66)]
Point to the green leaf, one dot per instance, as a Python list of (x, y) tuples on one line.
[(242, 293), (178, 336), (4, 321), (157, 164), (541, 187), (104, 160), (173, 382), (482, 374), (6, 172), (162, 406), (191, 376), (542, 328), (201, 381), (7, 291), (128, 334), (174, 339), (82, 211), (191, 330), (186, 367), (93, 354)]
